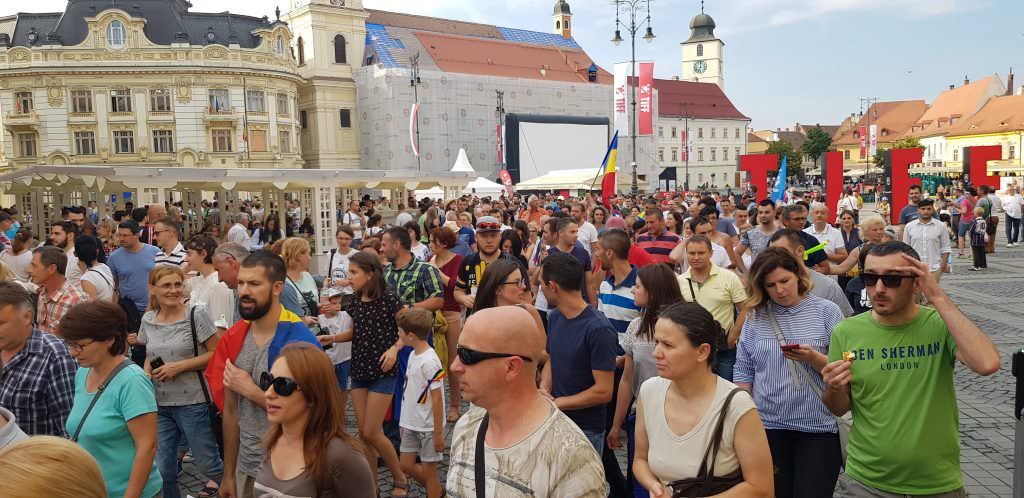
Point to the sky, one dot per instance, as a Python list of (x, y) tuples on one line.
[(786, 61)]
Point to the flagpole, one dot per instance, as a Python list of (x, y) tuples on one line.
[(604, 163)]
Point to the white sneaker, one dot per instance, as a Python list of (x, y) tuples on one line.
[(1009, 245)]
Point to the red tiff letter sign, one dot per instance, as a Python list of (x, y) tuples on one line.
[(899, 161), (758, 165), (976, 165), (832, 167)]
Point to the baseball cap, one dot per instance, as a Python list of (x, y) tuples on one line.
[(615, 222), (487, 224)]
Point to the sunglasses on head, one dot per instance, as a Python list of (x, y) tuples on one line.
[(471, 356), (488, 226), (283, 386), (890, 281)]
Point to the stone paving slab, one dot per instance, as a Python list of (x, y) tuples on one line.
[(994, 299)]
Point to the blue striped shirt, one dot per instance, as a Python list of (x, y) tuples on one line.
[(616, 301), (759, 361)]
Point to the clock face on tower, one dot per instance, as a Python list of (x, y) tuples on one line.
[(700, 66)]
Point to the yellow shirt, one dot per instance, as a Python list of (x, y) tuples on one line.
[(718, 294)]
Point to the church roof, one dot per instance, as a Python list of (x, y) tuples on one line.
[(562, 8), (702, 28)]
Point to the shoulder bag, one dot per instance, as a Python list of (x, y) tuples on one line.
[(479, 465), (216, 419), (99, 392), (706, 483), (845, 422)]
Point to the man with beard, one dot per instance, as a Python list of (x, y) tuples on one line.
[(488, 241), (74, 214), (62, 235), (238, 372), (227, 260), (756, 239), (893, 367)]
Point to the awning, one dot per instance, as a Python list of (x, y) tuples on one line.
[(483, 186), (574, 179)]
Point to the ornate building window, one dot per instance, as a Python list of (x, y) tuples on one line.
[(279, 46), (115, 34), (256, 101), (163, 141), (302, 51), (700, 50), (346, 118), (124, 142), (340, 57), (220, 100), (26, 145), (258, 140), (81, 101), (23, 102), (284, 139), (85, 143), (160, 100), (282, 104), (221, 139), (120, 100)]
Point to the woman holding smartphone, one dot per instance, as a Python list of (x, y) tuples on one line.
[(783, 346)]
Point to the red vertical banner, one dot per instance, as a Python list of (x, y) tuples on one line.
[(646, 102), (976, 165), (501, 146), (686, 149), (863, 141), (901, 159), (832, 168), (506, 180), (758, 165)]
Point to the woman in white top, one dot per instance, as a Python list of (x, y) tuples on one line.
[(97, 280), (19, 256), (677, 412), (420, 250), (206, 291)]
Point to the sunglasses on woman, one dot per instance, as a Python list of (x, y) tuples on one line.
[(890, 281), (283, 386), (472, 357)]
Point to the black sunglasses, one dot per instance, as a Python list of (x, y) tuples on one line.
[(472, 357), (283, 386), (890, 281)]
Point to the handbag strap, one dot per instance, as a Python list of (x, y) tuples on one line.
[(706, 471), (479, 466), (99, 392), (195, 350), (692, 294), (782, 341)]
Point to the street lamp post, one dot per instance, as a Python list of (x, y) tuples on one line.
[(631, 8)]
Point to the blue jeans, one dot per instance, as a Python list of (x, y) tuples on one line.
[(341, 371), (1012, 236), (191, 422), (596, 440), (725, 360), (383, 385)]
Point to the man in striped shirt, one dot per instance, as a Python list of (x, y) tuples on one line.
[(615, 294), (165, 233), (658, 242)]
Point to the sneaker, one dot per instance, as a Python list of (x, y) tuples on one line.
[(1009, 245), (974, 268)]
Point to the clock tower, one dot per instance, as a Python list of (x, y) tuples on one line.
[(703, 52), (329, 37)]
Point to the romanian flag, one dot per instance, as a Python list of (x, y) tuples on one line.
[(289, 329), (426, 389), (608, 172)]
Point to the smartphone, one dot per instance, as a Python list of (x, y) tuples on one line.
[(789, 347), (156, 363)]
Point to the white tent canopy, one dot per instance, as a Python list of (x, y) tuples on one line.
[(573, 179), (433, 193), (462, 163), (483, 186)]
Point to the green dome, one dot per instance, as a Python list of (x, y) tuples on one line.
[(562, 8)]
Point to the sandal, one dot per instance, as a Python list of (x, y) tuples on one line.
[(404, 486), (208, 492), (453, 415)]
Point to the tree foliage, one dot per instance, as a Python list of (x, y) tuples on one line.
[(818, 141), (784, 148)]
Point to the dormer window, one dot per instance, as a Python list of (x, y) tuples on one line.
[(279, 48), (115, 34), (953, 120)]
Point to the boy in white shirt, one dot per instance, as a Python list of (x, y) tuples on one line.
[(422, 417), (336, 335)]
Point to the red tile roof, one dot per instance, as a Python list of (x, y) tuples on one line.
[(1000, 115), (894, 118), (959, 102), (473, 55), (695, 100)]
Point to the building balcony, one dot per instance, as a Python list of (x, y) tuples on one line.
[(220, 116), (121, 117), (22, 120)]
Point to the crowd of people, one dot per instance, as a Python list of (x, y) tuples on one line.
[(724, 341)]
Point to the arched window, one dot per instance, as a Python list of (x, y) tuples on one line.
[(700, 50), (302, 51), (339, 50), (566, 24), (558, 24), (115, 34), (279, 48)]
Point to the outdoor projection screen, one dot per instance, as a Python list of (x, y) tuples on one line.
[(537, 145)]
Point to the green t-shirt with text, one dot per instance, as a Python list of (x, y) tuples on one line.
[(905, 436)]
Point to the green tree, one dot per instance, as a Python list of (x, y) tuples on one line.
[(903, 143), (818, 141), (784, 148)]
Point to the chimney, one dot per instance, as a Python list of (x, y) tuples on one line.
[(778, 130), (1009, 83), (952, 87), (966, 81), (675, 78)]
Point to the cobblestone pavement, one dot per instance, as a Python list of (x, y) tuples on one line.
[(993, 299)]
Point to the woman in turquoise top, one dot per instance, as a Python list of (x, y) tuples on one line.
[(122, 425)]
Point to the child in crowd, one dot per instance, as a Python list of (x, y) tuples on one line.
[(336, 329), (978, 239), (422, 418)]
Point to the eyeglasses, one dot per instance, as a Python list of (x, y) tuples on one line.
[(283, 386), (472, 357), (521, 283), (890, 281), (76, 346), (487, 225)]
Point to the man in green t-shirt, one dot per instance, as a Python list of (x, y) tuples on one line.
[(893, 367)]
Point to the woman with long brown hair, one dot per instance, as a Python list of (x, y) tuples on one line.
[(447, 262), (308, 451)]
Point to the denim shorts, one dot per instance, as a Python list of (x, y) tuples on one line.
[(384, 385), (961, 230), (341, 370)]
